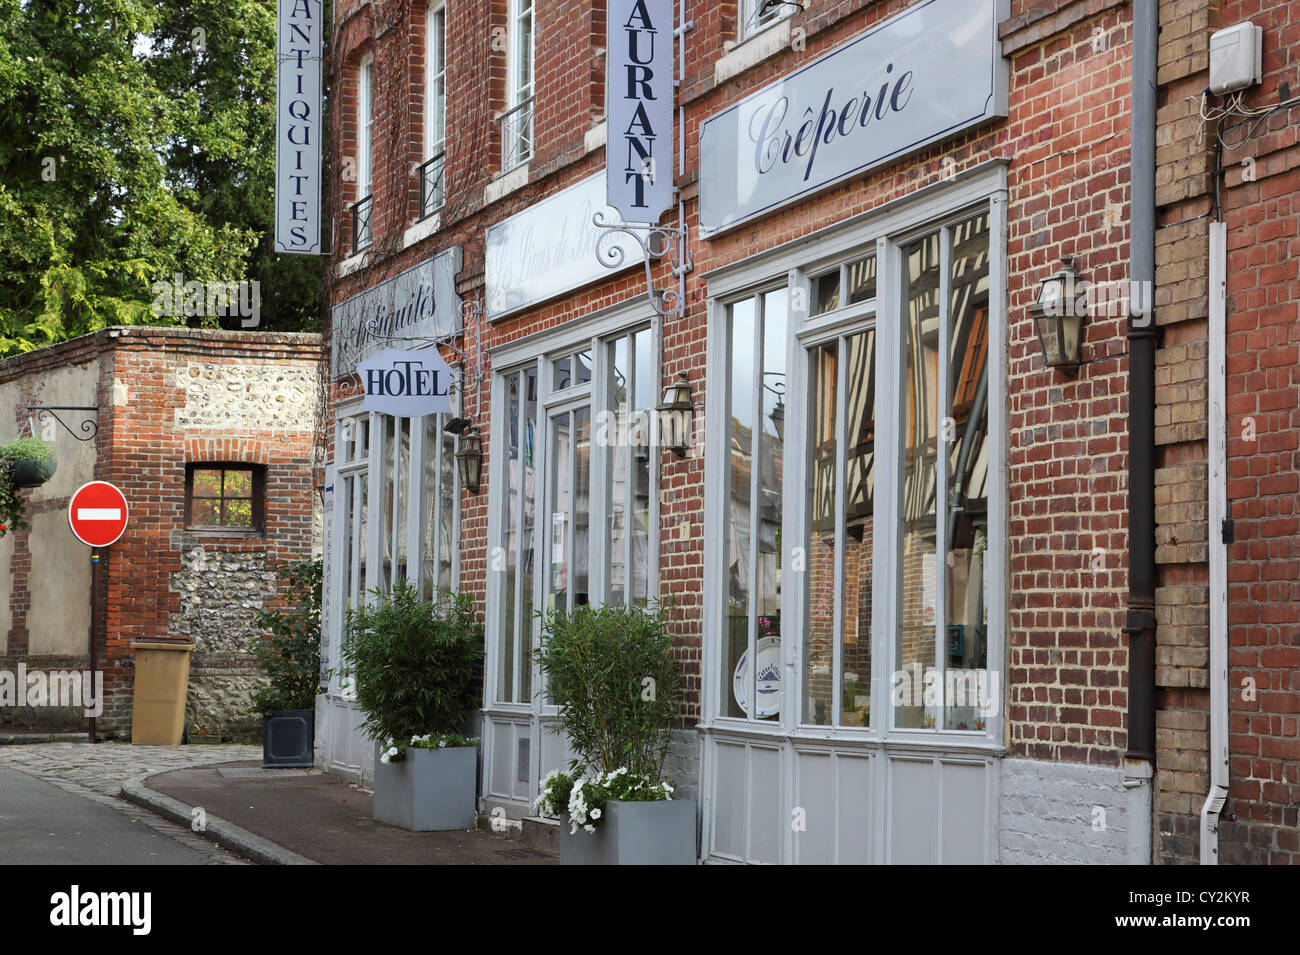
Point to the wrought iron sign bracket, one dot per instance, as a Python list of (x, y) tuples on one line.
[(88, 427), (656, 241)]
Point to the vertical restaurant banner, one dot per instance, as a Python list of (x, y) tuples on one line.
[(298, 129), (919, 77), (639, 108)]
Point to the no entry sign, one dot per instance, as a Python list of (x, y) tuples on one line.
[(97, 513)]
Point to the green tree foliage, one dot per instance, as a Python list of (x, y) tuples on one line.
[(130, 151)]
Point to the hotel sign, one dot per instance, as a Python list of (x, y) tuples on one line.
[(917, 78), (418, 304), (407, 384), (298, 130), (550, 248), (639, 108)]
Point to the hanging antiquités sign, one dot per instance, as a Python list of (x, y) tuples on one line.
[(298, 130)]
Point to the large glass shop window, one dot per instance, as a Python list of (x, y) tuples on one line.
[(751, 671), (426, 560), (565, 451), (630, 407), (518, 488), (842, 444), (942, 680)]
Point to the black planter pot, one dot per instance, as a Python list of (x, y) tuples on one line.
[(288, 738), (32, 472)]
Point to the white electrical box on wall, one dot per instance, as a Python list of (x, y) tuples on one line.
[(1236, 58)]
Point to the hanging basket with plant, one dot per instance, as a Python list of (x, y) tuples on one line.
[(24, 463)]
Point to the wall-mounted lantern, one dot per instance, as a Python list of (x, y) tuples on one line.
[(1058, 315), (470, 455), (677, 416)]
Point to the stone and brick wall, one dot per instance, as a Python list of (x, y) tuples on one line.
[(167, 398)]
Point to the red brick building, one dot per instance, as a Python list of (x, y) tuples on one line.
[(210, 435), (872, 194)]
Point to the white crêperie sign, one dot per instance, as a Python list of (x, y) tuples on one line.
[(930, 72), (407, 384), (298, 131), (639, 108)]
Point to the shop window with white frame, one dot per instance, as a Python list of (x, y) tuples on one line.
[(433, 170), (576, 484), (517, 120), (753, 625), (758, 15), (937, 455), (942, 640), (397, 498)]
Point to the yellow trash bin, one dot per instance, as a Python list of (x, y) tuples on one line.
[(162, 678)]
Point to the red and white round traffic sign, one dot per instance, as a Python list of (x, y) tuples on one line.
[(97, 513)]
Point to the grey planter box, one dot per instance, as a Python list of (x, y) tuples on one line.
[(634, 833), (287, 739), (431, 789)]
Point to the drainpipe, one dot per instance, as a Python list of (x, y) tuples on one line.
[(1141, 623), (1219, 523)]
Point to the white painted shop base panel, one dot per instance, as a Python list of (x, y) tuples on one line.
[(347, 752), (517, 753), (777, 800)]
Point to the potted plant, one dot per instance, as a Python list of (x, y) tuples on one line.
[(414, 663), (290, 659), (24, 462), (612, 673)]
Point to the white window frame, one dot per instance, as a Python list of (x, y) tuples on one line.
[(750, 25), (519, 94), (365, 125), (435, 90), (888, 229), (379, 457), (539, 350)]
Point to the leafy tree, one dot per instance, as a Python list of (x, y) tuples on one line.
[(129, 152)]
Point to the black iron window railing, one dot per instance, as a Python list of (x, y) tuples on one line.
[(431, 192), (361, 223), (517, 135)]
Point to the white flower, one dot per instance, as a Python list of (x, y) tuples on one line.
[(590, 828), (595, 814), (384, 759)]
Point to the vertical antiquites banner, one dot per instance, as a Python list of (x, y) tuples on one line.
[(639, 108), (298, 127)]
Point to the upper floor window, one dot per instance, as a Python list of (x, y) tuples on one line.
[(517, 121), (435, 120), (224, 496), (365, 152), (758, 15)]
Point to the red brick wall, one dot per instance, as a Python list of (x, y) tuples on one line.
[(144, 451), (1067, 142)]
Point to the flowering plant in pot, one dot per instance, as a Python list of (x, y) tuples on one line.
[(413, 663), (612, 673), (290, 659), (24, 463)]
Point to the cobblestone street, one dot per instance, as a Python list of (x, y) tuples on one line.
[(96, 772)]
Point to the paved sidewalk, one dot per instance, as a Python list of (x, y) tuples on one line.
[(323, 818), (96, 772)]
